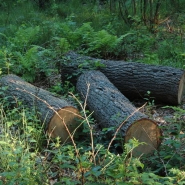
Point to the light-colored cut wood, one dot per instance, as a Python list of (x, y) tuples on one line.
[(181, 91), (45, 103), (68, 116), (113, 110), (147, 131)]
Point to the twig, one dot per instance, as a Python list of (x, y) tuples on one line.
[(83, 107), (50, 107), (70, 135), (122, 125)]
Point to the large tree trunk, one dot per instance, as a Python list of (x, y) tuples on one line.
[(56, 113), (111, 108), (133, 79)]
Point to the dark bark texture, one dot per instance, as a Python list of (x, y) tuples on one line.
[(37, 98), (110, 107), (166, 84)]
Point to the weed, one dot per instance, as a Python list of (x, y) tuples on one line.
[(21, 139), (150, 100), (32, 43)]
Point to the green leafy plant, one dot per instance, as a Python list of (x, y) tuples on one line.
[(21, 138), (149, 99), (32, 42), (170, 155), (24, 37), (6, 59)]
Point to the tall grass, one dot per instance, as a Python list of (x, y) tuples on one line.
[(28, 157), (20, 141)]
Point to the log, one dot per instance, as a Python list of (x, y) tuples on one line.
[(134, 80), (54, 111), (110, 108)]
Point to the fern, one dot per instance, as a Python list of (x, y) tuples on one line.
[(33, 62), (24, 37), (61, 45), (82, 35), (103, 43)]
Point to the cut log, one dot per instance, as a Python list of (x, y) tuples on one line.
[(54, 112), (134, 80), (111, 108)]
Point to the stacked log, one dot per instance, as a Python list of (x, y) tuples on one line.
[(112, 109), (58, 115), (134, 80), (108, 102)]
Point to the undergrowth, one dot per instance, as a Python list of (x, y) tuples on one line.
[(33, 40), (25, 147), (32, 46), (29, 156)]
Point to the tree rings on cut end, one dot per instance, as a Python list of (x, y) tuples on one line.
[(147, 131), (68, 116), (181, 91)]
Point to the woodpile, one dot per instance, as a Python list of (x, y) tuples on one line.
[(105, 86)]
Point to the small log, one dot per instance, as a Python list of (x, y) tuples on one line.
[(54, 112), (111, 108), (166, 84)]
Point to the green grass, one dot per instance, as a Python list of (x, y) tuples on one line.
[(32, 43), (28, 156), (20, 141)]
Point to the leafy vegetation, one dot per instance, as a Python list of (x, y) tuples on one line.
[(34, 35)]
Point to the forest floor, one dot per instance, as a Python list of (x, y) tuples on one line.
[(164, 115)]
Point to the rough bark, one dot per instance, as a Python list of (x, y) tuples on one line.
[(111, 108), (133, 79), (54, 112)]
